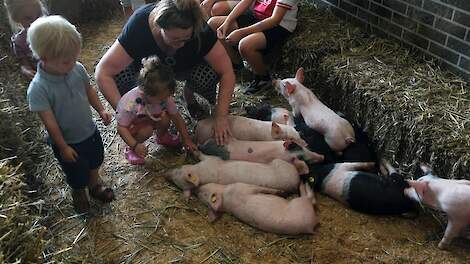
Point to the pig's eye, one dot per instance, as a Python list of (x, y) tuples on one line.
[(189, 174)]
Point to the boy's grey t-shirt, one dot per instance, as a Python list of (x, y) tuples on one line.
[(66, 97)]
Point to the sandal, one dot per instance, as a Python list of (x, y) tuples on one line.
[(133, 158), (105, 195), (80, 201), (196, 111)]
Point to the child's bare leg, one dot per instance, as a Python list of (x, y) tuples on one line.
[(250, 49), (144, 133)]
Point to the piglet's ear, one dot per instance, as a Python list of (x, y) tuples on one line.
[(215, 206), (299, 75), (425, 168), (276, 131), (286, 118), (301, 166), (286, 144), (290, 88), (192, 179), (420, 187)]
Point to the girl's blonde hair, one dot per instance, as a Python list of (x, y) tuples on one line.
[(179, 14), (54, 37), (155, 77), (15, 8)]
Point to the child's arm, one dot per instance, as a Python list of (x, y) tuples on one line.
[(270, 22), (96, 104), (26, 68), (66, 152), (133, 144), (21, 51), (238, 10), (181, 127)]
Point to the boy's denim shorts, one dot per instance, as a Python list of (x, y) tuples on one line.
[(90, 156)]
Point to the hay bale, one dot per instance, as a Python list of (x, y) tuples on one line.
[(84, 10), (413, 110), (318, 33)]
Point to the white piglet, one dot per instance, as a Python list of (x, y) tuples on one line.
[(337, 131), (261, 207), (449, 196), (277, 174)]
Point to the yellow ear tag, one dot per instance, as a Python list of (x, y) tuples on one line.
[(311, 179), (193, 178), (213, 198)]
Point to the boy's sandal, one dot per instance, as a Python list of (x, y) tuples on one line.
[(105, 195), (196, 111)]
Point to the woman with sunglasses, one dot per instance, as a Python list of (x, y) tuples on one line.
[(176, 32)]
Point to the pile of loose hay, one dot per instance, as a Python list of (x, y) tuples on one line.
[(21, 230), (412, 109), (21, 234)]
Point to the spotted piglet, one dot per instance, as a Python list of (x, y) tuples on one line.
[(259, 151), (450, 196), (355, 185), (244, 128)]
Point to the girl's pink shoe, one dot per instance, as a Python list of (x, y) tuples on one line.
[(168, 139), (133, 158)]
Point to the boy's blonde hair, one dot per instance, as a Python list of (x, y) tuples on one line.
[(156, 77), (54, 37), (15, 8)]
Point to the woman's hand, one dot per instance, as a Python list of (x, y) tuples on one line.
[(221, 130), (68, 154)]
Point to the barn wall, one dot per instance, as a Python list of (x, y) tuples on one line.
[(439, 28)]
